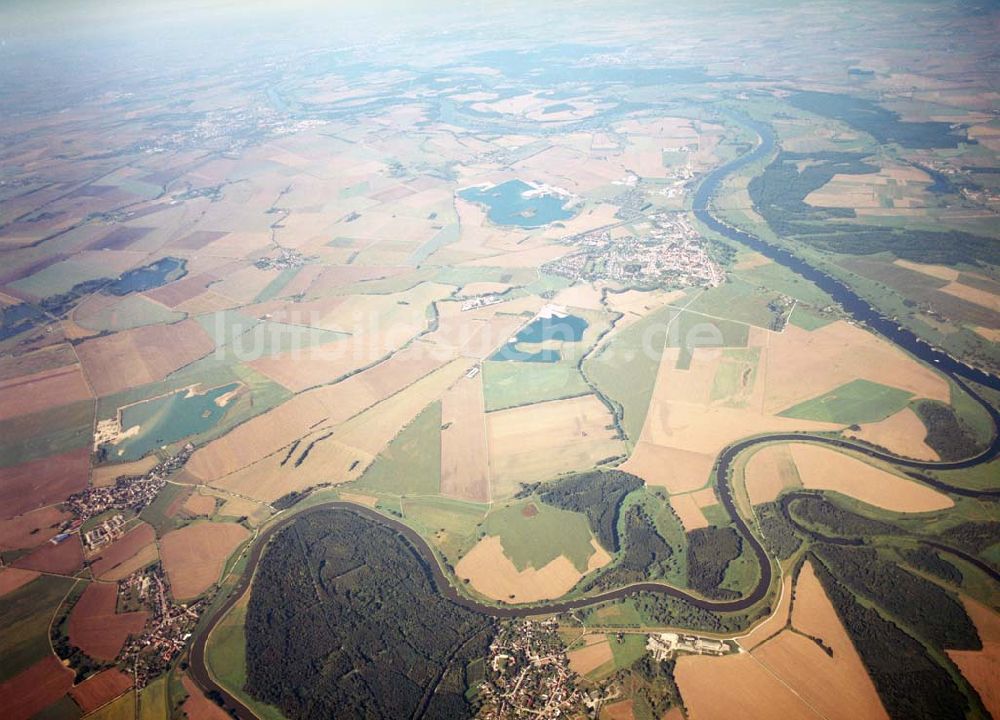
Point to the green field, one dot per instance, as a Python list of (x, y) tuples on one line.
[(691, 330), (226, 658), (741, 301), (625, 368), (277, 285), (24, 623), (859, 401), (156, 512), (539, 539), (452, 525), (778, 278), (627, 650), (153, 700), (132, 311), (511, 384), (735, 377), (411, 464), (121, 709), (48, 432), (808, 318)]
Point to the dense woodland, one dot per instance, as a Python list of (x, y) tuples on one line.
[(884, 125), (344, 622), (947, 434), (930, 611), (779, 195), (924, 691), (779, 534), (710, 550), (816, 511), (646, 555), (599, 496), (926, 560)]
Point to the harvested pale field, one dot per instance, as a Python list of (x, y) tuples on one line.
[(696, 434), (237, 507), (343, 453), (34, 689), (13, 578), (822, 468), (769, 471), (465, 471), (536, 442), (64, 558), (800, 365), (596, 652), (688, 511), (775, 622), (984, 298), (359, 499), (104, 475), (41, 391), (483, 288), (198, 504), (735, 685), (493, 574), (108, 558), (310, 367), (674, 713), (31, 529), (477, 333), (529, 258), (96, 628), (991, 334), (902, 433), (193, 556), (982, 667), (245, 284), (199, 707), (143, 355), (276, 429), (584, 295), (679, 471), (42, 482), (146, 556), (642, 302), (837, 686), (100, 689), (941, 272)]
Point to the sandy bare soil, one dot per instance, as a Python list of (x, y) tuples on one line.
[(982, 667), (494, 575), (193, 556), (41, 391), (826, 469), (96, 628), (536, 442), (769, 471), (595, 653), (465, 471), (902, 433)]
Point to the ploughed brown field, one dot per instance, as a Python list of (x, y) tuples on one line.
[(100, 689), (96, 628), (35, 688)]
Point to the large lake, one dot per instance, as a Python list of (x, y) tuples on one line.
[(506, 205), (569, 328), (167, 419)]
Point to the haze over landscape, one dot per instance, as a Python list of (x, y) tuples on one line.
[(433, 360)]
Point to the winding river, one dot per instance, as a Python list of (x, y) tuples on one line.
[(855, 306)]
